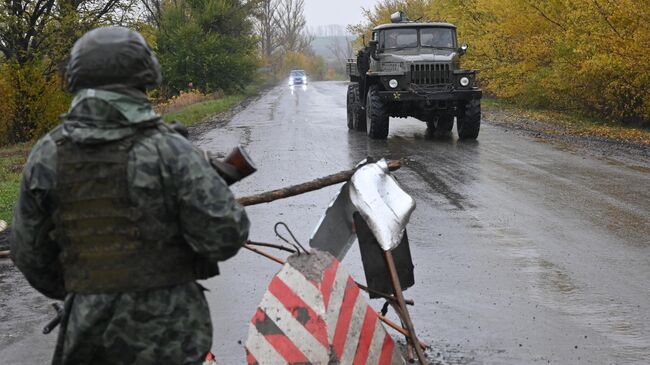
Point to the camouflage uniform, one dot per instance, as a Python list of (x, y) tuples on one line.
[(169, 181)]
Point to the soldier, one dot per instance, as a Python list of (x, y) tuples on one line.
[(119, 216)]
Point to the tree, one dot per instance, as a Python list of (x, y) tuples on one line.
[(581, 55), (31, 28), (209, 43), (291, 23), (266, 26), (35, 39)]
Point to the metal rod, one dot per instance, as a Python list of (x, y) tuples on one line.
[(383, 295), (316, 184), (398, 328), (409, 344), (271, 245), (267, 255), (362, 287), (406, 318)]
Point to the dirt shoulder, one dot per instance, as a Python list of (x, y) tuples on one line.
[(625, 145), (221, 119)]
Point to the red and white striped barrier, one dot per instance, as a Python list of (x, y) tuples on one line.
[(313, 313)]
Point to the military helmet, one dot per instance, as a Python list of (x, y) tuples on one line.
[(112, 56)]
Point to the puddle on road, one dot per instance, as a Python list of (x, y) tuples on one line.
[(553, 287)]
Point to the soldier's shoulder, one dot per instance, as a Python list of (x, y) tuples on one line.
[(41, 163), (170, 141), (45, 148)]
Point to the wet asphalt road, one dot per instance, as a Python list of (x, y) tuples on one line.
[(525, 251)]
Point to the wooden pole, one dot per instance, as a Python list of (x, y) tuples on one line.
[(406, 318), (317, 184)]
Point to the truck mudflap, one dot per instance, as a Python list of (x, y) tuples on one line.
[(421, 93)]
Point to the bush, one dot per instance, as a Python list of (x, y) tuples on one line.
[(31, 102), (208, 43), (185, 98)]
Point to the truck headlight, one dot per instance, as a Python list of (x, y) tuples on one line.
[(393, 83), (464, 81)]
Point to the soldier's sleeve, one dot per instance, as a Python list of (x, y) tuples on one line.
[(32, 250), (212, 221)]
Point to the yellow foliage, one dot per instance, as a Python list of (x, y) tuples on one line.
[(586, 55), (185, 98), (30, 102), (314, 66)]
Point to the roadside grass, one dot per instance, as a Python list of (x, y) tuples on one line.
[(195, 113), (573, 124), (12, 159)]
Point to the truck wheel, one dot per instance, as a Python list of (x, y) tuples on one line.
[(351, 104), (376, 116), (359, 112), (469, 122)]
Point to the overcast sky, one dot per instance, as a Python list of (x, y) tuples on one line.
[(343, 12)]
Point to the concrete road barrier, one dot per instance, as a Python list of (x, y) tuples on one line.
[(314, 313)]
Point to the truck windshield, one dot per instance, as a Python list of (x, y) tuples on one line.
[(400, 38), (436, 37)]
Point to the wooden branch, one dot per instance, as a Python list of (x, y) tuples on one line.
[(4, 254), (547, 17), (317, 184), (604, 15)]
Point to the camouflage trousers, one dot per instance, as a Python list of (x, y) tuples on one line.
[(167, 326)]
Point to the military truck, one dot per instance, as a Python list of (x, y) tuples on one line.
[(412, 69)]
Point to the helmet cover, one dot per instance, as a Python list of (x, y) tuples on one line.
[(112, 56)]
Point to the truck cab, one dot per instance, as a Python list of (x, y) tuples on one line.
[(413, 69)]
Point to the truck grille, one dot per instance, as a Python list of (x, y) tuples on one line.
[(430, 74)]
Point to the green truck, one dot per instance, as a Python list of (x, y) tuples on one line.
[(412, 69)]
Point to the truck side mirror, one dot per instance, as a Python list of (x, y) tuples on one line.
[(463, 48)]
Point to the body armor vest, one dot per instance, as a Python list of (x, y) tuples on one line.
[(97, 226)]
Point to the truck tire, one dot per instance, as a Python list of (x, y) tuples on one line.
[(469, 122), (356, 114), (351, 104), (359, 111), (376, 115)]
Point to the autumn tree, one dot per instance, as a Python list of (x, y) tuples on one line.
[(580, 55), (35, 38)]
